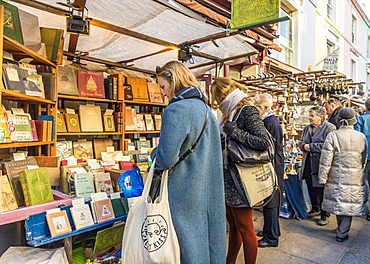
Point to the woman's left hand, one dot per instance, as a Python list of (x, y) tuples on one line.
[(307, 147)]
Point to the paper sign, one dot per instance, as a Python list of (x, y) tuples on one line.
[(93, 163), (19, 156), (110, 149), (108, 112), (71, 161), (54, 210), (70, 111), (78, 202), (115, 195)]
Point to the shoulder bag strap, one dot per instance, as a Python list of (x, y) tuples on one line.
[(191, 148)]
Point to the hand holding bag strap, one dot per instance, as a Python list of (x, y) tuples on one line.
[(191, 148)]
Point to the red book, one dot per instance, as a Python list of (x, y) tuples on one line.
[(90, 84), (126, 165), (34, 130), (41, 135)]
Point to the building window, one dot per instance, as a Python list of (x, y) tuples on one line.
[(330, 47), (354, 30), (331, 10), (353, 70), (286, 38)]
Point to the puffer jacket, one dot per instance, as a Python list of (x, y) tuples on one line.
[(342, 162)]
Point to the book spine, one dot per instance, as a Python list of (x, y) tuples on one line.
[(26, 193), (108, 88), (115, 87)]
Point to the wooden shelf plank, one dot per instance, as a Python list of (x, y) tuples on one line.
[(87, 133), (143, 132), (143, 103), (25, 144), (87, 98), (19, 51), (15, 96)]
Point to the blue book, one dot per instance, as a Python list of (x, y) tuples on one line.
[(49, 118)]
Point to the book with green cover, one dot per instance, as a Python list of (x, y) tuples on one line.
[(52, 37), (118, 208), (109, 237), (22, 126), (36, 186), (84, 184), (12, 24)]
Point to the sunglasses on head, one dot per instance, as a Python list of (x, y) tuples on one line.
[(159, 69)]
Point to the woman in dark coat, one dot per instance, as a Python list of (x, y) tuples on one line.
[(271, 228), (313, 138), (249, 130)]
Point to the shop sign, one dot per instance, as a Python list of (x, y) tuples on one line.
[(246, 13), (331, 62)]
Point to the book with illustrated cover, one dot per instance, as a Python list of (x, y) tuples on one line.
[(53, 39), (83, 150), (91, 118), (90, 84), (60, 123), (66, 81), (12, 169), (58, 223), (81, 216), (12, 76), (149, 122), (100, 145), (104, 210), (108, 238), (12, 25), (155, 93), (140, 122), (128, 92), (109, 123), (103, 183), (8, 201), (32, 81), (72, 122), (84, 184), (139, 88), (64, 149), (36, 186)]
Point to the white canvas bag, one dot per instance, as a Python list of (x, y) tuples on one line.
[(149, 235)]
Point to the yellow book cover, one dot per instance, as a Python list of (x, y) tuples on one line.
[(8, 201), (60, 123), (72, 122), (139, 88)]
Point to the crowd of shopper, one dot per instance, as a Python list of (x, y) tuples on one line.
[(203, 187)]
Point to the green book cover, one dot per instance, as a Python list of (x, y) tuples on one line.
[(118, 208), (12, 24), (52, 38), (125, 204), (84, 184), (107, 238), (23, 131), (36, 186)]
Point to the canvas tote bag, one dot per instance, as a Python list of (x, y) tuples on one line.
[(149, 235)]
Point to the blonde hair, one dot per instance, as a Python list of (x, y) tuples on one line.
[(222, 87), (264, 99), (178, 75)]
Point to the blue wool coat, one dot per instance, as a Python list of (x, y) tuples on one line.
[(195, 186), (363, 125)]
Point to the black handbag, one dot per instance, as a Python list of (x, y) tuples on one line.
[(242, 155)]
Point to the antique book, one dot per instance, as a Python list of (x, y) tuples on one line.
[(91, 118), (52, 37), (47, 161), (12, 76), (142, 157), (12, 25), (83, 150), (4, 129), (84, 184), (51, 125), (41, 129), (100, 145), (149, 122), (126, 165), (81, 216), (108, 238), (60, 123), (66, 81), (49, 81), (118, 89), (139, 144), (158, 122), (103, 182), (104, 210), (22, 126), (108, 88), (139, 88), (109, 123), (128, 92), (90, 84), (58, 223), (8, 201), (30, 30), (72, 122), (64, 149), (155, 93), (130, 118), (118, 121), (36, 186), (32, 81)]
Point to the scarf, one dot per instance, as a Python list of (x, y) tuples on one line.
[(267, 114), (187, 93)]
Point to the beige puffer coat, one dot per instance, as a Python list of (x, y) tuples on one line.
[(342, 162)]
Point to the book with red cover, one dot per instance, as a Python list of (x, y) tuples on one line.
[(126, 165), (34, 130), (90, 84), (104, 210)]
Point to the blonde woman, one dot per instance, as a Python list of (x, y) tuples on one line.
[(230, 97), (195, 185)]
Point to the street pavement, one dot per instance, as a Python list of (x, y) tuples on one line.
[(304, 242)]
